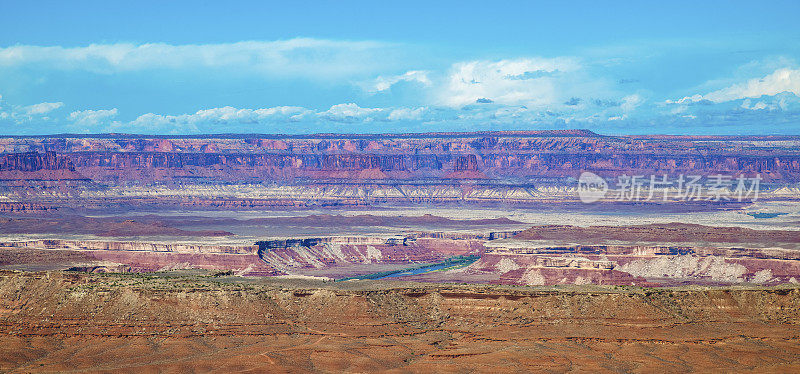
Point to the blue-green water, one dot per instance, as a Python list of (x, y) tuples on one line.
[(418, 271), (456, 261)]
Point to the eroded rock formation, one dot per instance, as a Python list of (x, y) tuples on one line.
[(402, 157)]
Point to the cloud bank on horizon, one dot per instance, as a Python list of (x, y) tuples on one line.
[(704, 85)]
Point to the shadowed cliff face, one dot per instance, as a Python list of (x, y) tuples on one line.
[(496, 157), (34, 161)]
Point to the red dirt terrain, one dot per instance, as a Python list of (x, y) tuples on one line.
[(66, 322), (27, 258)]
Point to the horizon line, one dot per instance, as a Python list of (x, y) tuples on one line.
[(431, 134)]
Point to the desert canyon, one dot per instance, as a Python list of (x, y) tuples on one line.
[(413, 252)]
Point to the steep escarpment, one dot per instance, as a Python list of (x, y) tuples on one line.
[(190, 323), (492, 164), (487, 156), (325, 256), (293, 255), (23, 207), (252, 171), (36, 166), (34, 161)]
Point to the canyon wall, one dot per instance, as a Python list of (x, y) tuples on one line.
[(33, 161), (481, 156), (632, 265), (271, 257)]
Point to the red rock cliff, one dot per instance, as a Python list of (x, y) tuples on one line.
[(490, 156)]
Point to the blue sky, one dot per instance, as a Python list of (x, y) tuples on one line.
[(718, 67)]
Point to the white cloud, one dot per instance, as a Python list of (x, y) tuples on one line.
[(304, 57), (40, 109), (350, 113), (528, 81), (407, 114), (273, 119), (29, 113), (781, 80), (90, 118), (157, 123), (383, 83), (630, 102), (224, 117), (285, 113)]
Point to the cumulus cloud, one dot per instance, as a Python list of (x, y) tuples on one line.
[(41, 108), (276, 119), (758, 105), (29, 113), (219, 119), (246, 116), (763, 115), (284, 113), (630, 102), (287, 119), (407, 114), (530, 93), (296, 57), (350, 113), (534, 89), (383, 83), (92, 118), (772, 101), (229, 119), (781, 80), (526, 81), (273, 119)]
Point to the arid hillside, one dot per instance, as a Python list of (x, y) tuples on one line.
[(60, 322)]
